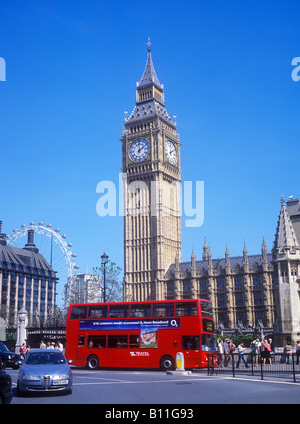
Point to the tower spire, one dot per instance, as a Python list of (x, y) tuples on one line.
[(149, 76), (149, 44), (150, 98), (285, 237)]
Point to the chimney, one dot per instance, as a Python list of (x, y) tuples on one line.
[(2, 236), (30, 242), (30, 237)]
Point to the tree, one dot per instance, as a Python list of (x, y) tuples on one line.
[(113, 285), (89, 288)]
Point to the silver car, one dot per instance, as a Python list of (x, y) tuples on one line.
[(44, 370)]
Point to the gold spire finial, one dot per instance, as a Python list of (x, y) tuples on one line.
[(149, 45)]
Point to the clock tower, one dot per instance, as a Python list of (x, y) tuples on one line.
[(152, 176)]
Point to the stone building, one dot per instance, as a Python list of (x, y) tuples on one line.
[(87, 288), (26, 281), (248, 292), (151, 165)]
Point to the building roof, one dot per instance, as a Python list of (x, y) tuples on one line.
[(149, 76), (293, 207), (149, 108), (254, 261), (29, 256), (285, 236)]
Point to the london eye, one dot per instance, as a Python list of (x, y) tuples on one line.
[(57, 251)]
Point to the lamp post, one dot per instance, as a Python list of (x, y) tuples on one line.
[(104, 259)]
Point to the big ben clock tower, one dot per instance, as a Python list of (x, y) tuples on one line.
[(152, 175)]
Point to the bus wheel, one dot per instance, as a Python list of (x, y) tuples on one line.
[(92, 362), (167, 363)]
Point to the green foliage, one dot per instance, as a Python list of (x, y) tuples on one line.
[(245, 338)]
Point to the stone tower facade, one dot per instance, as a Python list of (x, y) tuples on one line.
[(152, 176), (286, 260)]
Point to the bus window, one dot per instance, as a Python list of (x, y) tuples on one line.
[(163, 310), (134, 341), (96, 342), (206, 309), (78, 312), (208, 325), (187, 309), (140, 311), (118, 311), (208, 343), (190, 342), (98, 312), (81, 340), (117, 342)]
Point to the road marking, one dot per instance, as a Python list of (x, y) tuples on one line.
[(191, 379), (141, 382), (102, 378)]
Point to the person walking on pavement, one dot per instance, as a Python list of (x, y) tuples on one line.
[(298, 352), (241, 350)]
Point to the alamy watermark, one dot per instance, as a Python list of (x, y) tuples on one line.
[(296, 71), (155, 198), (2, 69)]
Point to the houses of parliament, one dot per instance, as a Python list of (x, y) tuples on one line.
[(248, 292)]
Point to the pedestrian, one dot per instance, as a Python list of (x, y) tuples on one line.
[(298, 352), (232, 348), (22, 350), (241, 349), (42, 345), (60, 346), (27, 349), (226, 352), (271, 343), (288, 351), (267, 353), (220, 352), (255, 350)]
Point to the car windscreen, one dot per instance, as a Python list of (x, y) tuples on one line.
[(45, 358), (3, 348)]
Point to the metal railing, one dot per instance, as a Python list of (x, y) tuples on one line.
[(280, 365)]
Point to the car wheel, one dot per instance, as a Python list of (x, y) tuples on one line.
[(92, 362), (167, 363)]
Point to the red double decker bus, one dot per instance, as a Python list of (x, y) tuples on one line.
[(140, 334)]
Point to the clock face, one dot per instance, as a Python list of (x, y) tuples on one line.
[(171, 152), (139, 150)]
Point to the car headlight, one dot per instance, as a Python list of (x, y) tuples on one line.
[(9, 357), (61, 377), (30, 377)]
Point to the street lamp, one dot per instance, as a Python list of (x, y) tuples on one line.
[(104, 259)]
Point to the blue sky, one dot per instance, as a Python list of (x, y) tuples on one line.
[(71, 71)]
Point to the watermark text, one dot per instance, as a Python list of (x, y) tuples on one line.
[(152, 199)]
